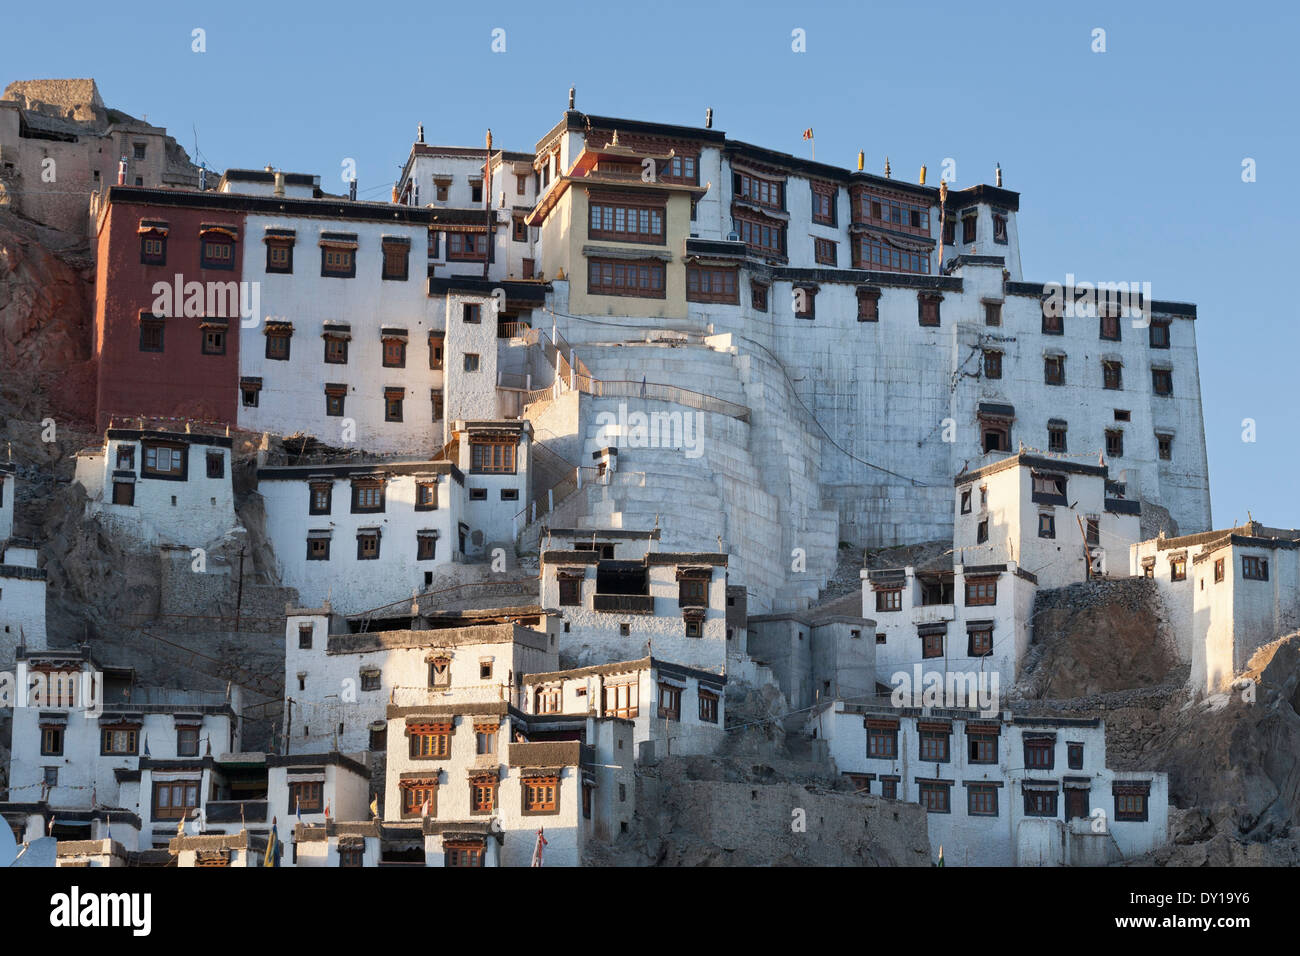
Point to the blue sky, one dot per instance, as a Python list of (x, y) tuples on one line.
[(1128, 162)]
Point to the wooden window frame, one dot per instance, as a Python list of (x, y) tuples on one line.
[(1054, 370), (483, 796), (570, 591), (394, 353), (750, 188), (52, 740), (368, 543), (152, 471), (889, 599), (722, 282), (1074, 756), (396, 256), (750, 229), (359, 488), (1115, 442), (426, 495), (124, 490), (981, 592), (433, 744), (928, 310), (981, 747), (935, 797), (457, 243), (868, 305), (307, 796), (1112, 375), (1161, 339), (338, 262), (708, 711), (210, 244), (758, 293), (393, 404), (1254, 567), (892, 212), (503, 459), (611, 277), (624, 705), (993, 313), (1220, 570), (274, 339), (274, 246), (150, 258), (876, 255), (981, 800), (426, 547), (336, 350), (669, 702), (1162, 381), (992, 363), (1042, 803), (464, 855), (1178, 568), (825, 198), (172, 811), (979, 642), (825, 251), (882, 743), (153, 334), (212, 341), (413, 795), (932, 644), (610, 213), (1039, 754), (315, 506), (315, 550), (934, 746), (539, 796)]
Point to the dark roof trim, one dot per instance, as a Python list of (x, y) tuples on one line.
[(280, 205)]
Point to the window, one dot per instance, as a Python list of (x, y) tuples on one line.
[(1131, 801), (999, 228), (758, 297), (466, 246), (1056, 438), (164, 461), (118, 741), (509, 494), (1046, 524), (1054, 369), (307, 796), (430, 741), (932, 644), (279, 256), (868, 305), (979, 642), (708, 707), (521, 184), (1053, 321), (1165, 447), (693, 592), (519, 229), (928, 309), (1254, 568), (475, 192), (879, 255), (548, 699), (415, 794), (982, 800), (1111, 376), (882, 741), (889, 788), (949, 230), (681, 169), (153, 249), (52, 741), (394, 353), (621, 699), (397, 255), (1115, 443), (277, 344), (968, 226), (1040, 754), (1148, 567), (435, 397), (670, 702), (762, 192), (992, 313), (965, 502), (426, 545), (889, 600), (1074, 756), (1092, 530), (320, 494), (393, 404), (426, 496), (214, 341), (151, 334), (934, 797), (981, 591), (139, 150), (894, 213), (1040, 803), (367, 496), (440, 672), (570, 591), (126, 458), (492, 457), (369, 679), (483, 795), (351, 855), (823, 204), (367, 545), (1219, 570), (336, 350), (761, 235), (304, 637), (1110, 326), (478, 494), (175, 799), (981, 747), (463, 854), (485, 669), (1162, 381), (934, 746), (51, 775), (982, 532), (1178, 568), (824, 251), (338, 262), (992, 363), (541, 794), (124, 493), (617, 277), (626, 223), (485, 738), (805, 302), (217, 252), (318, 547), (1159, 335), (440, 189), (711, 284)]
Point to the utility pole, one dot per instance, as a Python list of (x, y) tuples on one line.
[(487, 198), (1087, 552)]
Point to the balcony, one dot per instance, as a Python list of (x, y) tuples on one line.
[(228, 811), (623, 603)]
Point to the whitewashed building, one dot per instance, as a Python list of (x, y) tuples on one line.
[(815, 655), (22, 599), (1006, 790), (972, 622), (338, 682), (1049, 516), (678, 710), (153, 487), (667, 605)]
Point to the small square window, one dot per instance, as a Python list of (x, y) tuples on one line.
[(992, 363), (470, 362), (1056, 438), (214, 341), (1162, 381), (484, 670), (1074, 756), (394, 353), (965, 502), (1054, 370), (1165, 447), (396, 259), (151, 335), (318, 548), (478, 494), (509, 494), (1046, 525), (124, 493), (279, 256), (216, 463), (304, 637), (992, 313), (472, 313), (367, 545), (625, 629), (1115, 443), (336, 350)]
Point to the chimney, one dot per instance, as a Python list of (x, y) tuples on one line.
[(708, 118), (279, 184)]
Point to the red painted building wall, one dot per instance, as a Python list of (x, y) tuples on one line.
[(180, 381)]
